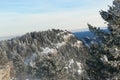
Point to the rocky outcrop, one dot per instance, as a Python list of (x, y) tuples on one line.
[(5, 71), (47, 55)]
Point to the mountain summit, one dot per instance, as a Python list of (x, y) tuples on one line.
[(47, 55)]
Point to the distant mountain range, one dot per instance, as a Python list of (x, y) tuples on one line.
[(82, 34), (88, 37)]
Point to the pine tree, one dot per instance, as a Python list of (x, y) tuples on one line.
[(112, 17), (107, 53)]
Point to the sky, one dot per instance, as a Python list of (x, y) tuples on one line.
[(22, 16)]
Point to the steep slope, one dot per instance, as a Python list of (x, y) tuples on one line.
[(47, 55)]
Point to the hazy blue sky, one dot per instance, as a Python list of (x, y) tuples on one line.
[(21, 16)]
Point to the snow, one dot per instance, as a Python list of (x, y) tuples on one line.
[(80, 70), (66, 37), (79, 65), (58, 34), (70, 63), (116, 49), (48, 51), (32, 64), (66, 67), (58, 45), (61, 33), (104, 58), (78, 43)]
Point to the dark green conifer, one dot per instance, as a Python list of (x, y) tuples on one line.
[(107, 53)]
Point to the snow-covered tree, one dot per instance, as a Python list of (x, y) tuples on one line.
[(112, 17), (107, 53)]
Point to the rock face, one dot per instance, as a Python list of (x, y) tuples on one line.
[(47, 55), (5, 71)]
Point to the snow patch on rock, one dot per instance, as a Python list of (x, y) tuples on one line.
[(48, 51), (66, 37), (58, 45), (71, 61), (80, 65), (78, 44), (75, 67), (80, 71)]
